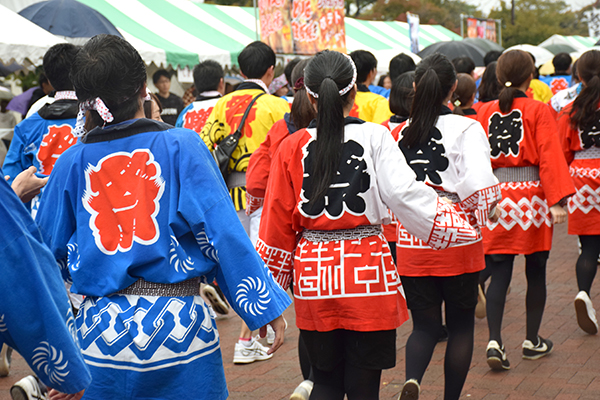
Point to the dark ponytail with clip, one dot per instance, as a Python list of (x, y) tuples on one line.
[(513, 69), (327, 74), (465, 89)]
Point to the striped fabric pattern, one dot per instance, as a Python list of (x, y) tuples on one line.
[(182, 32)]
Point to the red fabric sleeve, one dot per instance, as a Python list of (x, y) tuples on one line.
[(554, 172)]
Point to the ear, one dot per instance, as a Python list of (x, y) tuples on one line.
[(312, 100)]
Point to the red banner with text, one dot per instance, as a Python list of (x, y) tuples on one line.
[(302, 26)]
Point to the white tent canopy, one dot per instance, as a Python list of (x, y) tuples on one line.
[(22, 41), (580, 43)]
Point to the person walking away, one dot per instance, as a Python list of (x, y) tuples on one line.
[(450, 153), (528, 161), (139, 212), (40, 139), (257, 63), (577, 127), (329, 191)]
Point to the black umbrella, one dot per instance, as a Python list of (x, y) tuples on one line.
[(453, 49), (68, 18), (484, 44)]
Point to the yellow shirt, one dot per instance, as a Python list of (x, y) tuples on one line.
[(370, 107), (539, 91), (225, 118)]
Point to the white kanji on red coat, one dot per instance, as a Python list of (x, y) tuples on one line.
[(122, 195)]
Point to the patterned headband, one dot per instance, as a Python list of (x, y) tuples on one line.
[(344, 90), (95, 104)]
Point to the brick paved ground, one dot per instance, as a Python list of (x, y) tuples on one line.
[(571, 372)]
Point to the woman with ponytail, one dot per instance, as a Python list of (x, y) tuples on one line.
[(329, 190), (464, 96), (528, 161), (138, 214), (578, 127), (451, 154)]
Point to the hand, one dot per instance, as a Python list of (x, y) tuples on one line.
[(27, 185), (278, 325), (495, 214), (559, 215), (447, 200), (54, 394)]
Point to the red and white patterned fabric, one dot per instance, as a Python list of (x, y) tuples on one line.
[(95, 104), (195, 116), (348, 283), (583, 155), (525, 137), (460, 169)]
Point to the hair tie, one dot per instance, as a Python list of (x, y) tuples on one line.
[(344, 90), (299, 83), (457, 103), (95, 104), (508, 84)]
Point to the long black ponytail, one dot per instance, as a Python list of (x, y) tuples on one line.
[(328, 74), (434, 77)]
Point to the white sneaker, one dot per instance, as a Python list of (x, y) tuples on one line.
[(248, 354), (586, 314), (270, 335), (29, 388), (303, 391), (5, 359)]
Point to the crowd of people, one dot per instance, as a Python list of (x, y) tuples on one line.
[(371, 204)]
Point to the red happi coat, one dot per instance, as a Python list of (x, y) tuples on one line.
[(582, 151), (348, 283), (525, 136), (455, 160), (259, 165)]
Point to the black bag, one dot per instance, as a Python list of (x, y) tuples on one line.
[(229, 143)]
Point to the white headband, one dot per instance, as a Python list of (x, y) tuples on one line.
[(344, 90)]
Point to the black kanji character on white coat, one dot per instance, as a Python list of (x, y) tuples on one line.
[(350, 179), (505, 133), (590, 136), (427, 159)]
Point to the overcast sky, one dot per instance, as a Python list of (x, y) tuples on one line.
[(487, 5)]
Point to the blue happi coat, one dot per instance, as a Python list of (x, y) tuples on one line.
[(35, 313), (142, 199)]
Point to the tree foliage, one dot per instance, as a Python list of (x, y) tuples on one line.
[(537, 20), (442, 12)]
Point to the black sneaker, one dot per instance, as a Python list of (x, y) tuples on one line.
[(496, 357), (533, 352)]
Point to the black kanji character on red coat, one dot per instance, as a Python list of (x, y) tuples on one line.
[(505, 133), (351, 179), (590, 136), (427, 159)]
